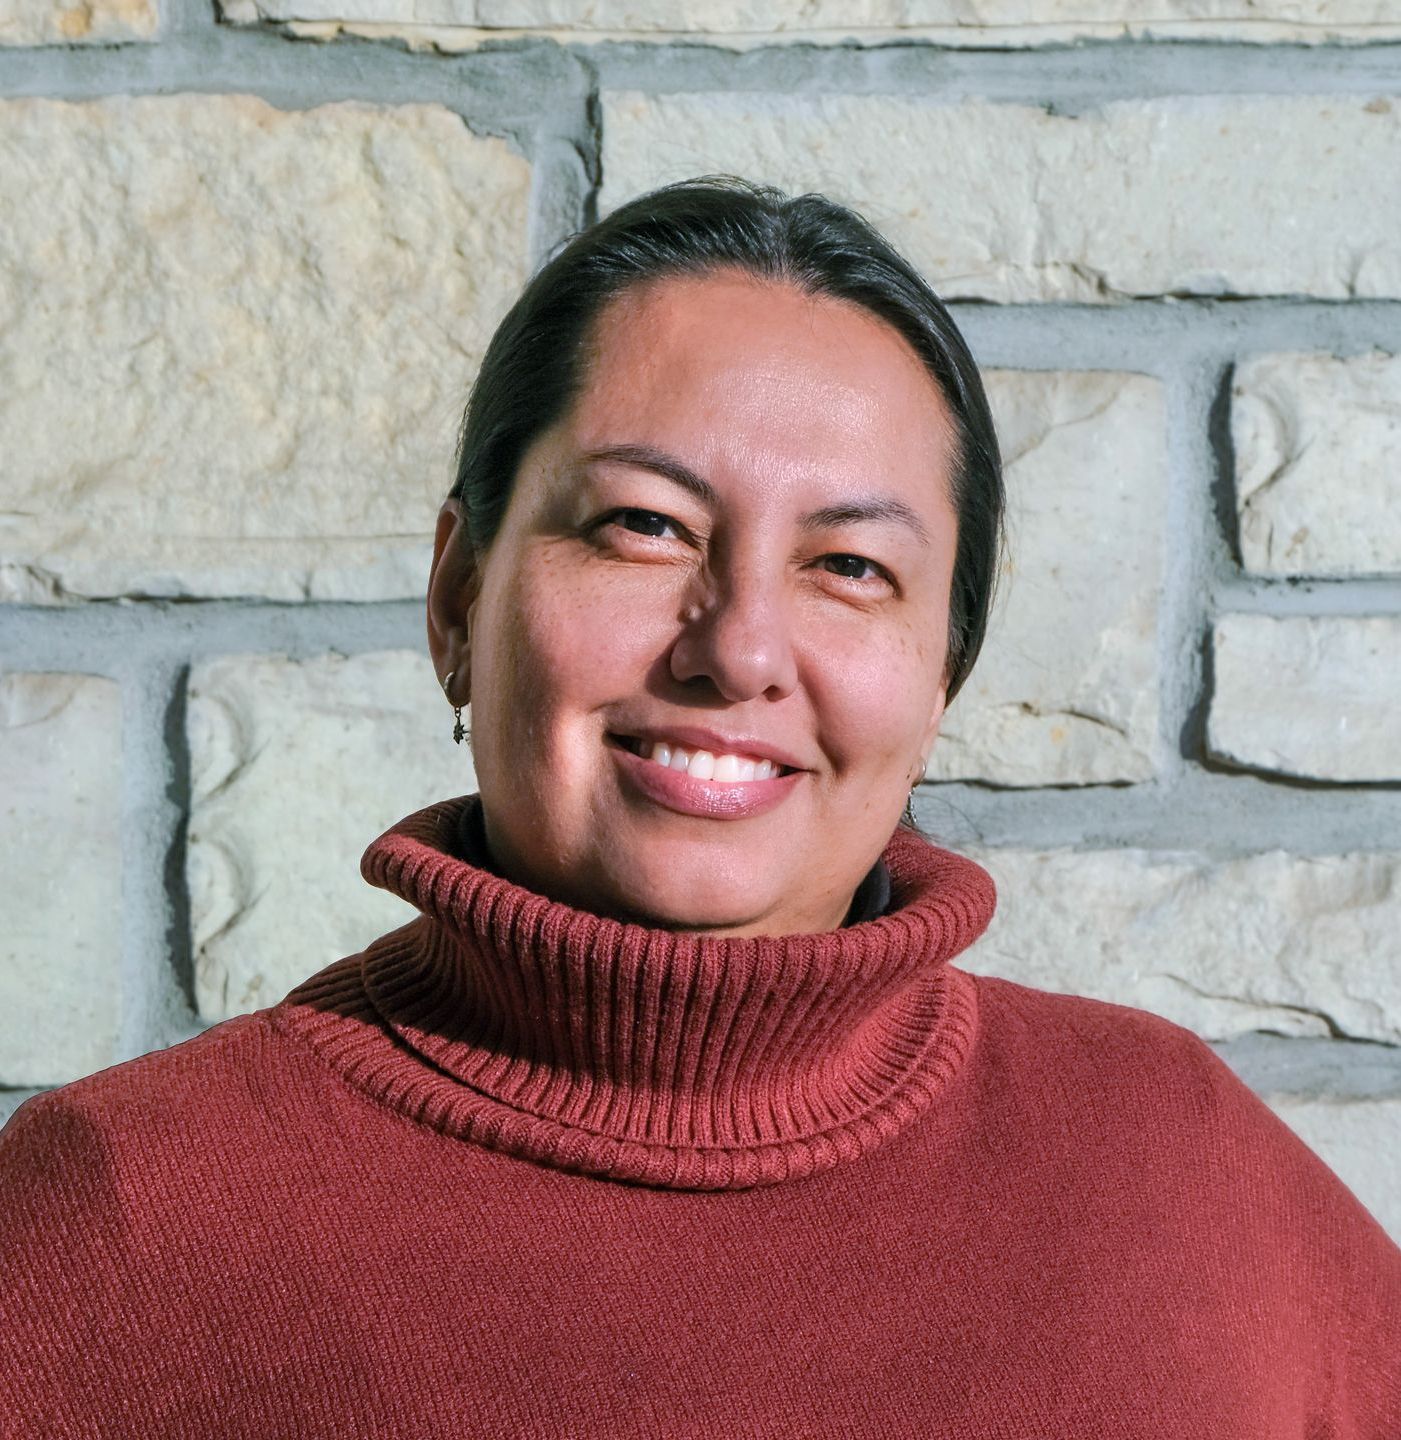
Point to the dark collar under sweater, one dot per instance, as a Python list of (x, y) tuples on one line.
[(647, 1055)]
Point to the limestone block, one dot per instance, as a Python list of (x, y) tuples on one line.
[(235, 341), (73, 22), (60, 850), (742, 24), (1359, 1140), (1298, 945), (295, 767), (1308, 695), (1318, 463), (1011, 202), (1065, 690)]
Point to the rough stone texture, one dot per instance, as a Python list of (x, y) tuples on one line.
[(1065, 690), (60, 851), (743, 23), (1295, 944), (1141, 197), (1360, 1141), (1318, 463), (1306, 695), (296, 767), (73, 22), (235, 341)]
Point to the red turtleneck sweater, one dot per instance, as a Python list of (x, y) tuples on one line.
[(518, 1170)]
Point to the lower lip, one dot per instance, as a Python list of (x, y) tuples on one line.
[(716, 800)]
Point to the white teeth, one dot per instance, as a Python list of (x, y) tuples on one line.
[(704, 765), (726, 768)]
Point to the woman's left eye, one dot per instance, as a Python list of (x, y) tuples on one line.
[(855, 562), (649, 518)]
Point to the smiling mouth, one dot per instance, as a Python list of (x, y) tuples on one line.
[(701, 764)]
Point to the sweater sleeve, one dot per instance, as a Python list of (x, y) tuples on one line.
[(64, 1270), (1330, 1249)]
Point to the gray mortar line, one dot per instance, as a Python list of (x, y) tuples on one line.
[(496, 94), (564, 174), (1158, 334), (1260, 595), (1209, 811), (1314, 1067), (1074, 77), (1069, 79), (558, 191), (103, 637)]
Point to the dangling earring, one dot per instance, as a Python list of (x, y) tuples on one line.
[(909, 815), (458, 730)]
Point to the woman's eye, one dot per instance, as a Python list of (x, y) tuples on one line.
[(652, 523), (853, 565)]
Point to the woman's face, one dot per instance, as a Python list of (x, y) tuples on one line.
[(740, 542)]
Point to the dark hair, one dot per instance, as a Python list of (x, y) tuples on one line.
[(535, 365)]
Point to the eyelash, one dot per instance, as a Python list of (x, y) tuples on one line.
[(880, 571)]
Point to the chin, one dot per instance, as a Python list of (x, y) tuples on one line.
[(684, 898)]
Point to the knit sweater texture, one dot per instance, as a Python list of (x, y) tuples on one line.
[(518, 1170)]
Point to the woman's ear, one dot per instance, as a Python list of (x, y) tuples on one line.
[(454, 582)]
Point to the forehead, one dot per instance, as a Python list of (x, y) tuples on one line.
[(740, 373)]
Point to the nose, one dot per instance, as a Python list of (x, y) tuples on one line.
[(740, 638)]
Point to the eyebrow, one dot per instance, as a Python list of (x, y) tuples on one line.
[(847, 512)]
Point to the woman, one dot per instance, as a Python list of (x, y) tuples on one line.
[(669, 1115)]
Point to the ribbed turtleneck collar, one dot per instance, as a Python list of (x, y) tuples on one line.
[(654, 1056)]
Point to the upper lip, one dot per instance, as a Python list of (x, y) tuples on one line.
[(696, 737)]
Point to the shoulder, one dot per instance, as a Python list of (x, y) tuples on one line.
[(1132, 1065), (1138, 1095), (1126, 1092), (89, 1144), (1149, 1060), (1080, 1034), (149, 1087), (127, 1172), (1134, 1084), (114, 1190)]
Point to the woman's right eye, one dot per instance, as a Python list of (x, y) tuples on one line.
[(648, 518)]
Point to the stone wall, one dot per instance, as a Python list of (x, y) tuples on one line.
[(250, 257)]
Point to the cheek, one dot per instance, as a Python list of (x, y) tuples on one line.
[(874, 699), (563, 647)]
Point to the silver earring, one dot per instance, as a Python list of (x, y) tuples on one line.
[(909, 814), (458, 730)]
